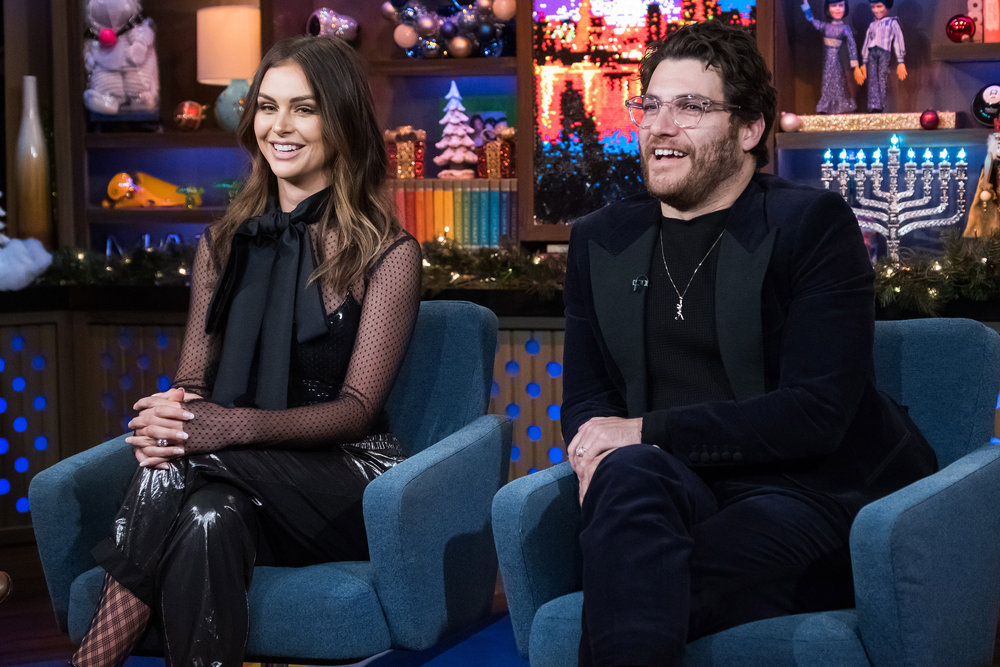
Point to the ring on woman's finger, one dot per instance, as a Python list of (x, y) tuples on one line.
[(162, 442)]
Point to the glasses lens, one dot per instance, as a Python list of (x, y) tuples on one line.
[(642, 111), (687, 112)]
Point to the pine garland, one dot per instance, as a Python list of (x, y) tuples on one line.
[(921, 284)]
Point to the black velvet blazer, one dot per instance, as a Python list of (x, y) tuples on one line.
[(794, 298)]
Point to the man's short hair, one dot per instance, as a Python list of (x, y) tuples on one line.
[(733, 52)]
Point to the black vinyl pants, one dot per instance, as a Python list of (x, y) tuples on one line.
[(668, 558), (186, 539)]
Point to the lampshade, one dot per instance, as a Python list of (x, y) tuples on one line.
[(228, 43)]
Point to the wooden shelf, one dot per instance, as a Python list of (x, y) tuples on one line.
[(875, 138), (160, 140), (965, 52), (158, 215), (551, 233), (445, 67)]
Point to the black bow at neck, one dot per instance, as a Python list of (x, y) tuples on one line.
[(262, 296)]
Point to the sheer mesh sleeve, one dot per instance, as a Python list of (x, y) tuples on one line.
[(199, 349), (389, 310)]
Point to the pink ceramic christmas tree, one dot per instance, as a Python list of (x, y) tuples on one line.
[(458, 155)]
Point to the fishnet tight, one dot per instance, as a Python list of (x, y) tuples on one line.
[(118, 623)]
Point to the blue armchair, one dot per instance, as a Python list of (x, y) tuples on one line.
[(926, 559), (433, 565)]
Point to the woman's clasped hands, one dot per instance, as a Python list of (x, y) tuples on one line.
[(159, 427)]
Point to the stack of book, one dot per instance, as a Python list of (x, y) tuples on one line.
[(475, 213)]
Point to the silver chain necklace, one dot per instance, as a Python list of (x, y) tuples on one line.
[(680, 294)]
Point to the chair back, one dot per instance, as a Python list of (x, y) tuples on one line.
[(444, 382), (946, 371)]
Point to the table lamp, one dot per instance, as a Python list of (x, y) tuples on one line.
[(228, 55)]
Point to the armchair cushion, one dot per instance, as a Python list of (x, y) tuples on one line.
[(926, 558), (433, 565)]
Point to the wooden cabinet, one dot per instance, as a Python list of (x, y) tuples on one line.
[(411, 92)]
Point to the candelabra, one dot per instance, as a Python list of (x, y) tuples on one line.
[(894, 213)]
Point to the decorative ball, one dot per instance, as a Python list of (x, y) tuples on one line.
[(426, 25), (985, 195), (790, 122), (484, 7), (485, 32), (325, 21), (389, 11), (504, 10), (986, 104), (460, 47), (431, 48), (929, 120), (409, 15), (960, 28), (448, 29), (405, 36), (107, 38), (189, 114), (493, 48), (468, 20)]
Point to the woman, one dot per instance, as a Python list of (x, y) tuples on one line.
[(835, 97), (303, 299)]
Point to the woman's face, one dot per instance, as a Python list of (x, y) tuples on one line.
[(836, 10), (289, 130)]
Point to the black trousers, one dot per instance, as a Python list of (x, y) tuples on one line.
[(186, 539), (669, 557)]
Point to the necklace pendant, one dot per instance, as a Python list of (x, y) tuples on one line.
[(680, 309)]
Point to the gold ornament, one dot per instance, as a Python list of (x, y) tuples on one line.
[(852, 122)]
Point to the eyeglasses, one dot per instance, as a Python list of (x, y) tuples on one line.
[(685, 110)]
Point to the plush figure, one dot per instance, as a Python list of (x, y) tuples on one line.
[(120, 58)]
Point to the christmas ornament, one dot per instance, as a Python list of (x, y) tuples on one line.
[(790, 122), (189, 114), (325, 21), (460, 47), (405, 36), (929, 120), (986, 104), (405, 147), (496, 158), (960, 28), (456, 145), (455, 28)]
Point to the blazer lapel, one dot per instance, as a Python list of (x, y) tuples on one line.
[(744, 254), (619, 283)]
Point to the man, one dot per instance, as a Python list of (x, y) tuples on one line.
[(883, 36), (718, 396)]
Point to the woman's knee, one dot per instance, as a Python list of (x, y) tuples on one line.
[(218, 509)]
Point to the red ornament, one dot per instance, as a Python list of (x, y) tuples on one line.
[(929, 119), (107, 38), (189, 114), (960, 28)]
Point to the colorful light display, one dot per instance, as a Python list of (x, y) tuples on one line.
[(586, 55)]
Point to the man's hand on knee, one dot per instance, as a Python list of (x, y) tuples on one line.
[(596, 439)]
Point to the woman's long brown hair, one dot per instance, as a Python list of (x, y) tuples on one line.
[(356, 160)]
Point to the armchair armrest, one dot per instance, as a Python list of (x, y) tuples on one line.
[(72, 506), (429, 535), (926, 565), (536, 523)]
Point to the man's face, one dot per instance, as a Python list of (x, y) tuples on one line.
[(879, 10), (686, 169)]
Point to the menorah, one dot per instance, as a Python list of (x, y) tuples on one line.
[(894, 213)]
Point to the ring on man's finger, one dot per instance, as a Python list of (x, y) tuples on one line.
[(162, 442), (580, 451)]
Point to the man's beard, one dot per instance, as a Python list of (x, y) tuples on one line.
[(711, 165)]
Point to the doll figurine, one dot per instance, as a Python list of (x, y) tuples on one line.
[(882, 37), (835, 97)]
